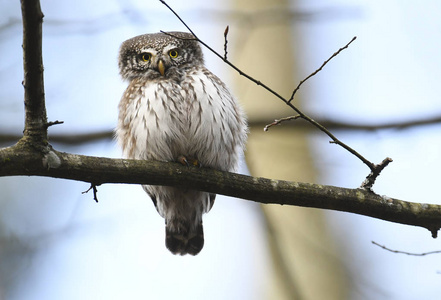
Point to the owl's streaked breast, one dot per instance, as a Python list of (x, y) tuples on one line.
[(150, 117), (197, 118)]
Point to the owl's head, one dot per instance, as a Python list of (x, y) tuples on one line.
[(159, 55)]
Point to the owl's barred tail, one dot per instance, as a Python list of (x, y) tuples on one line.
[(185, 241)]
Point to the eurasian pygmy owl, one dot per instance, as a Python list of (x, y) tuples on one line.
[(174, 109)]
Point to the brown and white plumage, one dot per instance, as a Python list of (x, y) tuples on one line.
[(174, 109)]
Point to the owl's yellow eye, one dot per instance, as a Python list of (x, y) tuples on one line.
[(173, 53), (146, 56)]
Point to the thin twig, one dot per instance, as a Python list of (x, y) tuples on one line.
[(278, 121), (52, 123), (370, 179), (95, 191), (404, 252), (319, 69), (226, 42)]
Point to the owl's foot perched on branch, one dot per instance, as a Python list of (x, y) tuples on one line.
[(188, 161)]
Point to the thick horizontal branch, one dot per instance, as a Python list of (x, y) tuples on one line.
[(21, 160)]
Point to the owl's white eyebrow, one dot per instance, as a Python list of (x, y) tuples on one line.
[(170, 47), (148, 50)]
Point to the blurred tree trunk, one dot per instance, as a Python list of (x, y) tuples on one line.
[(306, 264)]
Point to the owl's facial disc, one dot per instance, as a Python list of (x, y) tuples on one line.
[(161, 67)]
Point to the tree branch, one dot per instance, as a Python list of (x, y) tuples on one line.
[(19, 160), (35, 109)]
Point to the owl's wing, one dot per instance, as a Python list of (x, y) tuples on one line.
[(218, 125), (212, 198)]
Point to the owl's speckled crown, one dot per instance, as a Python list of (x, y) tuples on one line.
[(160, 39)]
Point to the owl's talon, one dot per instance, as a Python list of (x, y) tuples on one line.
[(188, 161), (183, 161)]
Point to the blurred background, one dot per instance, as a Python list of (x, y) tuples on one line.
[(57, 243)]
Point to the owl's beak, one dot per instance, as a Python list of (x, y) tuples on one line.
[(161, 67)]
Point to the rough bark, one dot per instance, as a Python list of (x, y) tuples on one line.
[(24, 159)]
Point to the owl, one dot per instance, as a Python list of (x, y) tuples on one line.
[(176, 110)]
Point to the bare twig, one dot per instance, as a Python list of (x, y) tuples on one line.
[(95, 191), (404, 252), (226, 42), (370, 179), (373, 167), (319, 69), (278, 121), (49, 124)]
